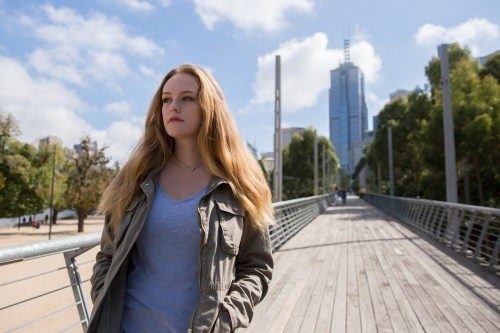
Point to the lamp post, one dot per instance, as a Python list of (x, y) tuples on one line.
[(268, 165), (52, 191)]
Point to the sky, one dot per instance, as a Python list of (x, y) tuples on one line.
[(75, 68)]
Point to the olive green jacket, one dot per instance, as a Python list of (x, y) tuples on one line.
[(235, 263)]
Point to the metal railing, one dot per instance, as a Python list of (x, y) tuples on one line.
[(291, 216), (472, 230)]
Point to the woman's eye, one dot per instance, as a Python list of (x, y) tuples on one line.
[(166, 100), (187, 98)]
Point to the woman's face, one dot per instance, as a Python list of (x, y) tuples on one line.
[(182, 115)]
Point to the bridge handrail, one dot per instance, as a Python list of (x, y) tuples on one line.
[(291, 216), (471, 230)]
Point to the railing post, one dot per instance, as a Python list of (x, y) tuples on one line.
[(481, 238), (494, 256), (469, 230), (427, 220), (438, 229), (457, 229), (424, 215), (76, 285)]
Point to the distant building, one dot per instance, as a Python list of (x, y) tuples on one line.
[(369, 136), (375, 125), (398, 93), (348, 111), (482, 60), (92, 148), (253, 149), (269, 154), (50, 140), (356, 153), (287, 134)]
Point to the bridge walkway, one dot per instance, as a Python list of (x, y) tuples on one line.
[(357, 269)]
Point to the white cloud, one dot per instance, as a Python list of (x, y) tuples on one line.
[(305, 68), (249, 15), (118, 107), (121, 137), (375, 104), (137, 5), (165, 3), (78, 48), (150, 72), (46, 107), (474, 33)]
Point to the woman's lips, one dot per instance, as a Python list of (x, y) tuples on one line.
[(174, 119)]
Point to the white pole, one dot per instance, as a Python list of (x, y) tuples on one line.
[(278, 168), (315, 163)]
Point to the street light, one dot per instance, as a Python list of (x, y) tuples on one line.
[(52, 191), (268, 166)]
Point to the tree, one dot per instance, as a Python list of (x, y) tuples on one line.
[(298, 164), (54, 165), (491, 67), (20, 190), (87, 178)]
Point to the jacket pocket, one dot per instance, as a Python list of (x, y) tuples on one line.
[(231, 224), (125, 221)]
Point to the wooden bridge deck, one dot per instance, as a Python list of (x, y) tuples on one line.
[(356, 269)]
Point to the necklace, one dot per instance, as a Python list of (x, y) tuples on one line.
[(187, 166)]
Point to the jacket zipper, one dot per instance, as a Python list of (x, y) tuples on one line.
[(190, 330)]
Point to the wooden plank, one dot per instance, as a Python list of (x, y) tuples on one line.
[(430, 287), (382, 319), (324, 320), (286, 310), (292, 263), (353, 320), (365, 305), (298, 314), (407, 314), (310, 318), (457, 302), (338, 324)]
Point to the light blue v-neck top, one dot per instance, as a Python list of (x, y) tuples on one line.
[(163, 282)]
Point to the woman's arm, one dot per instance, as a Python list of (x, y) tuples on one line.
[(254, 266), (103, 261)]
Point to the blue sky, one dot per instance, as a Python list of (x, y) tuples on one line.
[(91, 67)]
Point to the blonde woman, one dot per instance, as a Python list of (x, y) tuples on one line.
[(185, 247)]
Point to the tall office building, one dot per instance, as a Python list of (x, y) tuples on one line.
[(348, 112)]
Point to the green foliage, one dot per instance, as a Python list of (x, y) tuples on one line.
[(491, 67), (27, 172), (87, 178), (298, 164), (418, 136), (20, 191)]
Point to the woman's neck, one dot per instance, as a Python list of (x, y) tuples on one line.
[(187, 152)]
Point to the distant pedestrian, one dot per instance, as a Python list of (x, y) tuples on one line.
[(46, 218), (336, 198), (344, 196)]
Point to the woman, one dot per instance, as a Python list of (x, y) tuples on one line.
[(185, 247)]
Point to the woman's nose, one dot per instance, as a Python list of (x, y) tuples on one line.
[(174, 106)]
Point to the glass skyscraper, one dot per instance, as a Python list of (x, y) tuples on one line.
[(348, 114)]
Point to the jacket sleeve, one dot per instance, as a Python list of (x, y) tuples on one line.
[(254, 266), (103, 261)]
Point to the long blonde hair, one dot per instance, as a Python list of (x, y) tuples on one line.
[(223, 151)]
